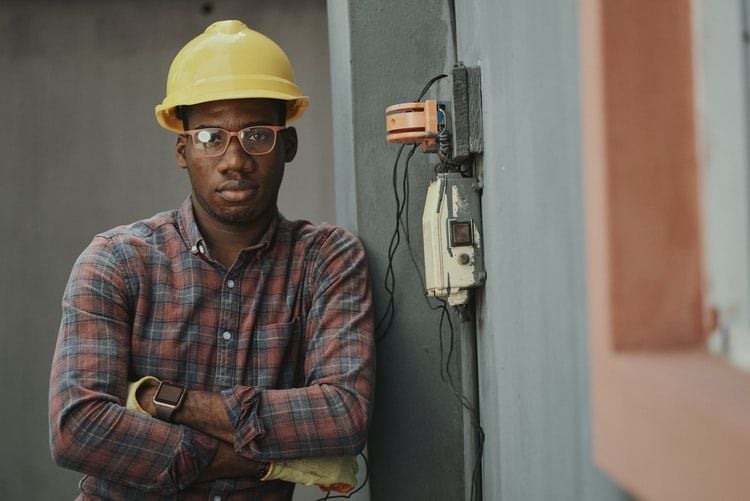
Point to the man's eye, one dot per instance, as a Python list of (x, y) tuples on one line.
[(258, 136)]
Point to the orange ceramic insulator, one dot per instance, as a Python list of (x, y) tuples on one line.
[(413, 123)]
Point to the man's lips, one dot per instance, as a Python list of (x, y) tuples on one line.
[(237, 190)]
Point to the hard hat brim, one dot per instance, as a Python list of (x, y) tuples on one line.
[(166, 114)]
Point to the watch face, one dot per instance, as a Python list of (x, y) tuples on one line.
[(169, 394)]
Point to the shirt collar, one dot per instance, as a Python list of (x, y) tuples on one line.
[(195, 241), (188, 226)]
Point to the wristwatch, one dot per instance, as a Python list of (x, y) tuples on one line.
[(168, 399)]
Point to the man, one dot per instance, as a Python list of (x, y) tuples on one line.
[(243, 339)]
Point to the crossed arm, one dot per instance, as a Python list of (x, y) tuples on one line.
[(204, 411)]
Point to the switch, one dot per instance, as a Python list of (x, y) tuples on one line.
[(461, 233)]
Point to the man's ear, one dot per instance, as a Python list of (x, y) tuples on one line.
[(289, 136), (180, 150)]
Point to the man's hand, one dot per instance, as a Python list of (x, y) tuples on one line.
[(229, 464)]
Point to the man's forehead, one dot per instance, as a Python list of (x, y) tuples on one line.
[(262, 110)]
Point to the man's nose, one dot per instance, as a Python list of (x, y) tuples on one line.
[(235, 158)]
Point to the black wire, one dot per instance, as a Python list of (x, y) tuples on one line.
[(445, 361), (405, 190), (402, 223), (404, 219), (452, 11), (429, 84), (476, 476), (385, 322), (390, 278), (462, 399)]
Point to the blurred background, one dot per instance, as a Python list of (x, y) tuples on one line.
[(82, 153)]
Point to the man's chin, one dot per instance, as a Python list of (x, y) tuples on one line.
[(236, 216)]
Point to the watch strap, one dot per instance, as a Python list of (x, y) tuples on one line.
[(164, 412)]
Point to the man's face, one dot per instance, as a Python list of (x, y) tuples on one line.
[(236, 188)]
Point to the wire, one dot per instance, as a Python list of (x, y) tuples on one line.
[(389, 282), (386, 320), (390, 278), (429, 84), (446, 376), (452, 11), (445, 359)]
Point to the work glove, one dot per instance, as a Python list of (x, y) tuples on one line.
[(133, 387), (329, 473)]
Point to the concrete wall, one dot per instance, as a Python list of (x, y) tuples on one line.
[(81, 152), (533, 366), (383, 53)]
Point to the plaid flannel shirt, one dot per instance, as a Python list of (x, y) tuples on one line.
[(285, 336)]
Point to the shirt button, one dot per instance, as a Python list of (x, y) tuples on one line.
[(227, 335), (230, 283)]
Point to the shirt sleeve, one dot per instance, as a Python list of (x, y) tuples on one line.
[(91, 431), (330, 415)]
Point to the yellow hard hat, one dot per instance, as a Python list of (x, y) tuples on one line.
[(229, 61)]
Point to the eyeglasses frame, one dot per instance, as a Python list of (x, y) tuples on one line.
[(275, 128)]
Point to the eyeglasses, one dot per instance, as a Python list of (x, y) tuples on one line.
[(255, 140)]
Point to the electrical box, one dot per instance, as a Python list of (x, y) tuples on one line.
[(452, 232), (452, 218)]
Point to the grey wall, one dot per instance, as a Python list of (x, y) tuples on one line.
[(80, 152), (533, 366), (383, 53)]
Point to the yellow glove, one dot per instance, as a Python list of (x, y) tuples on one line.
[(328, 473), (133, 388)]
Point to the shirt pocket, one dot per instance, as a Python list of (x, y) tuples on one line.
[(275, 355)]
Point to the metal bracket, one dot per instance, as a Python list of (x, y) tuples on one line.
[(468, 133)]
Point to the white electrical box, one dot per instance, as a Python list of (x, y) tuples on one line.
[(452, 232)]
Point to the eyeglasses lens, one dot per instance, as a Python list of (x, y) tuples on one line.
[(211, 141), (258, 140)]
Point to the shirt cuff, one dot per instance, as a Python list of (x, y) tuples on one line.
[(242, 405), (194, 454)]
